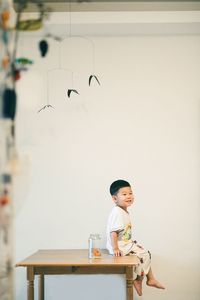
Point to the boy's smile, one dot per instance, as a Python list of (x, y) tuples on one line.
[(124, 198)]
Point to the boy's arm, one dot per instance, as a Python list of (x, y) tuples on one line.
[(114, 241)]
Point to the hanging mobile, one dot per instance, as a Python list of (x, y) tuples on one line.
[(47, 105), (69, 91), (72, 90), (93, 64), (92, 47), (43, 46), (93, 76)]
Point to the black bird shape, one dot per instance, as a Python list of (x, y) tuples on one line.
[(46, 106), (93, 76), (43, 45), (70, 91)]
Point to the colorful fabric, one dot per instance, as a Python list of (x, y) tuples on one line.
[(120, 222)]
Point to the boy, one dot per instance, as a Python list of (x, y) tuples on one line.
[(119, 240)]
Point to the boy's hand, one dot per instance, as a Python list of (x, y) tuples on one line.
[(117, 252)]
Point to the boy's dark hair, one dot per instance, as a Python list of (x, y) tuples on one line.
[(118, 184)]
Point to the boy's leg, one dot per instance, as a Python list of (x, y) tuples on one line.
[(138, 284), (145, 259), (151, 281), (136, 279)]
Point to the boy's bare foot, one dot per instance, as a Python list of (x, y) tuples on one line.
[(155, 283), (138, 286)]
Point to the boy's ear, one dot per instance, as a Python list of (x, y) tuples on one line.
[(114, 198)]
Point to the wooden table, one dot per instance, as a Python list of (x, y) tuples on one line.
[(59, 262)]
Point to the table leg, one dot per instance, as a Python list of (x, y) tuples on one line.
[(30, 287), (41, 287), (129, 283)]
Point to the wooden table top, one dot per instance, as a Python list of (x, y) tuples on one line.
[(75, 257)]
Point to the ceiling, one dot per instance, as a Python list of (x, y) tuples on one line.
[(120, 18), (114, 5)]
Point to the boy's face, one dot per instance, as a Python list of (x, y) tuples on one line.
[(124, 197)]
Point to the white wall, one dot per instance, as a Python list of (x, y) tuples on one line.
[(142, 125)]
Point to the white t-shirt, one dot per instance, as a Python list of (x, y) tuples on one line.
[(119, 220)]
